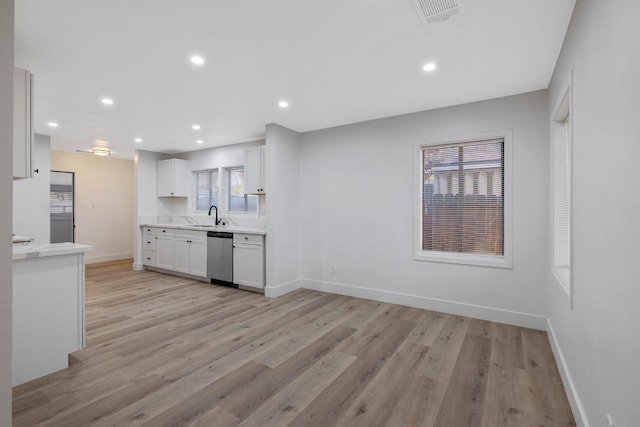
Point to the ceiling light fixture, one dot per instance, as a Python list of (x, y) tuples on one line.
[(198, 60), (199, 141), (283, 104), (52, 124), (195, 127), (101, 151), (138, 139), (107, 101), (429, 66)]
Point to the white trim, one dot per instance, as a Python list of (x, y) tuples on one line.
[(577, 407), (506, 261), (279, 290), (138, 266), (492, 314), (464, 259), (110, 257)]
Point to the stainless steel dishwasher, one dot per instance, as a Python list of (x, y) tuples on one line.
[(220, 258)]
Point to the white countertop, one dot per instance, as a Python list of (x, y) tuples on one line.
[(49, 249), (227, 228)]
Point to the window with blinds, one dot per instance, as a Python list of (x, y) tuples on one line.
[(562, 194), (463, 198)]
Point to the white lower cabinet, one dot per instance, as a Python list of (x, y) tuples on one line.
[(248, 260), (191, 252), (165, 252), (184, 251)]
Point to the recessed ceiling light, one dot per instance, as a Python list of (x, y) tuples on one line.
[(138, 139), (429, 66), (195, 127), (107, 101), (199, 141), (198, 60), (283, 104), (52, 124)]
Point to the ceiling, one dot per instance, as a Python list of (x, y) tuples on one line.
[(335, 62)]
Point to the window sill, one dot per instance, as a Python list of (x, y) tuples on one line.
[(456, 258)]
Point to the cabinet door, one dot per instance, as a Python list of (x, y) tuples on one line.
[(165, 252), (22, 124), (165, 178), (172, 178), (248, 265), (180, 178), (198, 258), (253, 170), (182, 255)]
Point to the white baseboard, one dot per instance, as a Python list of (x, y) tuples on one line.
[(277, 291), (516, 318), (138, 266), (572, 393), (105, 258)]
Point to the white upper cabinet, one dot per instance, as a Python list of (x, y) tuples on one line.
[(172, 178), (254, 170), (22, 123)]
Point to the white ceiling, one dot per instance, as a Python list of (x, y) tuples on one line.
[(335, 61)]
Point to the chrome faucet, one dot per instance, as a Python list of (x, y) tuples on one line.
[(217, 220)]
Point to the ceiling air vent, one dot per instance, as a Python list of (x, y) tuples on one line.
[(435, 10)]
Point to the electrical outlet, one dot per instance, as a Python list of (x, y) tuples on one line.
[(610, 422), (332, 269)]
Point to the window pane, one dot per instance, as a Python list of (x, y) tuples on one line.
[(462, 198), (238, 200), (207, 189)]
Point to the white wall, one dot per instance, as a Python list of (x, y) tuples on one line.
[(104, 200), (598, 340), (357, 200), (6, 166), (31, 196), (282, 184)]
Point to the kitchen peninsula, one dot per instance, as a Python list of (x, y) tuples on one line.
[(48, 307)]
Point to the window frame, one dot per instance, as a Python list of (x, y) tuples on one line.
[(562, 113), (504, 261)]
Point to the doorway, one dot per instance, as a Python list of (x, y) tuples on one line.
[(61, 207)]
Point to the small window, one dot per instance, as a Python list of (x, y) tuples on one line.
[(207, 189), (462, 217), (238, 200)]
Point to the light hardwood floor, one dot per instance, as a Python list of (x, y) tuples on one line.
[(166, 351)]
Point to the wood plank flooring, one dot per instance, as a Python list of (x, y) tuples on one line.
[(167, 351)]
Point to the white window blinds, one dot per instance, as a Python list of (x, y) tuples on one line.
[(463, 198), (562, 194)]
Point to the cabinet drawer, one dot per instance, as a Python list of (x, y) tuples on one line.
[(149, 242), (149, 230), (165, 231), (149, 258), (254, 239), (191, 235)]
